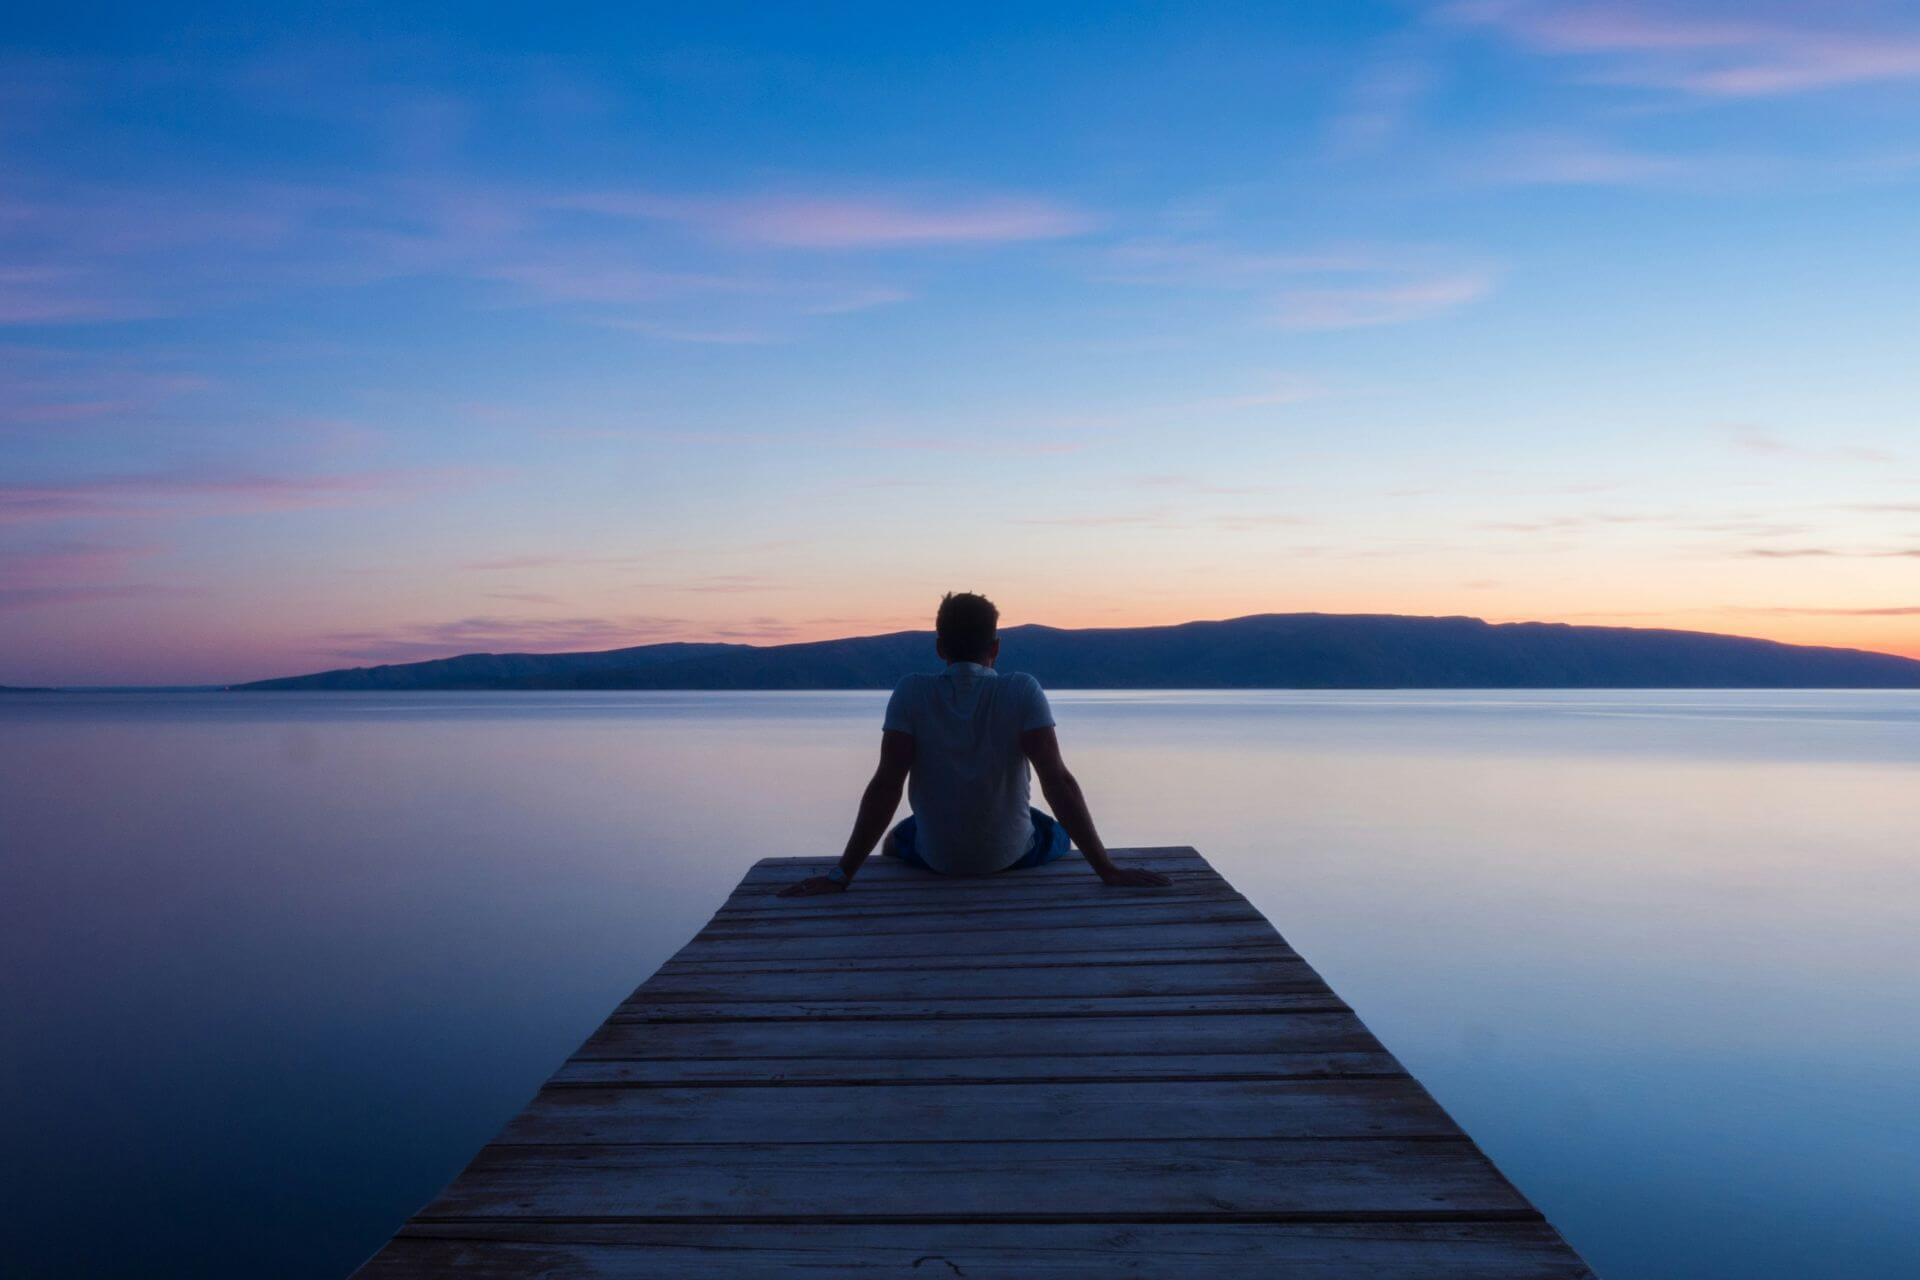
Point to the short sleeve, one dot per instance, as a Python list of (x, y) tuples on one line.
[(1035, 713), (899, 717)]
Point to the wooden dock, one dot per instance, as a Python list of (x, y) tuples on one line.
[(1025, 1076)]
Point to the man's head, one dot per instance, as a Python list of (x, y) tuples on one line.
[(967, 628)]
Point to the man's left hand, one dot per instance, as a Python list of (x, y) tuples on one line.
[(812, 885)]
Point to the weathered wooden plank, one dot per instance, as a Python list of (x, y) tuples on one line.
[(1107, 1110), (510, 1250), (976, 1070), (1094, 898), (1142, 909), (979, 1006), (1131, 939), (1065, 876), (957, 1040), (1253, 976), (1004, 1181), (880, 872), (1137, 855), (951, 958)]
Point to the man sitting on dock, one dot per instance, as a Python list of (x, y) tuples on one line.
[(960, 742)]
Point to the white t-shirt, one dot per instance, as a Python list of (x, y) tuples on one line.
[(968, 787)]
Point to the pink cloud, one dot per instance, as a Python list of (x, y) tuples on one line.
[(1380, 103), (42, 387), (720, 584), (522, 597), (63, 561), (186, 496), (1742, 56), (1340, 288), (1755, 440), (594, 276), (1574, 162), (859, 300), (849, 222), (1363, 306), (62, 295), (1888, 611), (1284, 392), (31, 597), (941, 444), (1214, 265), (845, 224), (1164, 518), (71, 573), (1189, 484), (546, 562), (703, 337), (1827, 553), (877, 439)]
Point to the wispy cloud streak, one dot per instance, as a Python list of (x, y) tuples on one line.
[(1820, 611), (187, 495), (1363, 306), (60, 573), (826, 221), (1343, 287), (1754, 440), (1700, 52)]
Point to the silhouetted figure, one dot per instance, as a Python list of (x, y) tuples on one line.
[(960, 742)]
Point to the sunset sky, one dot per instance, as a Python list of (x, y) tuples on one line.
[(380, 335)]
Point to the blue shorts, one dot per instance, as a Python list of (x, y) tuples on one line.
[(1049, 841)]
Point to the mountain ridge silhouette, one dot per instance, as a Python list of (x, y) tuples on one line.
[(1259, 651)]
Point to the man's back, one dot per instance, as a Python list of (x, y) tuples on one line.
[(969, 784), (961, 742)]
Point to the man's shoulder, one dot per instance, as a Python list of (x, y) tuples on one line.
[(1023, 688)]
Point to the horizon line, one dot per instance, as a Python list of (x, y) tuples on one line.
[(219, 686)]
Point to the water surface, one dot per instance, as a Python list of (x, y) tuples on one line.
[(273, 966)]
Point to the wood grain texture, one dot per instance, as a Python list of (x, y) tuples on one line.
[(1009, 1182), (1023, 1075), (915, 1112), (989, 945), (1138, 909), (986, 1004), (1121, 1036), (1001, 1251), (1249, 976), (1077, 952), (1006, 1069)]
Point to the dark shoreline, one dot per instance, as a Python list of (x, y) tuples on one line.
[(1265, 651)]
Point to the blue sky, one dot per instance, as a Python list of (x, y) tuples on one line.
[(375, 335)]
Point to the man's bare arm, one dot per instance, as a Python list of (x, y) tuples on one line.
[(877, 805), (1069, 805)]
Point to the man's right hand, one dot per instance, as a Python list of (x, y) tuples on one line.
[(812, 885), (1133, 877)]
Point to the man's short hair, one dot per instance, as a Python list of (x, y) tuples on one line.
[(967, 625)]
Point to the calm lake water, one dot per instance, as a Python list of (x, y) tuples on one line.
[(273, 966)]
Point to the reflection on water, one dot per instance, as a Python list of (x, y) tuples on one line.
[(273, 966)]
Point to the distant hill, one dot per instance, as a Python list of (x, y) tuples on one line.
[(1266, 651), (504, 670)]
